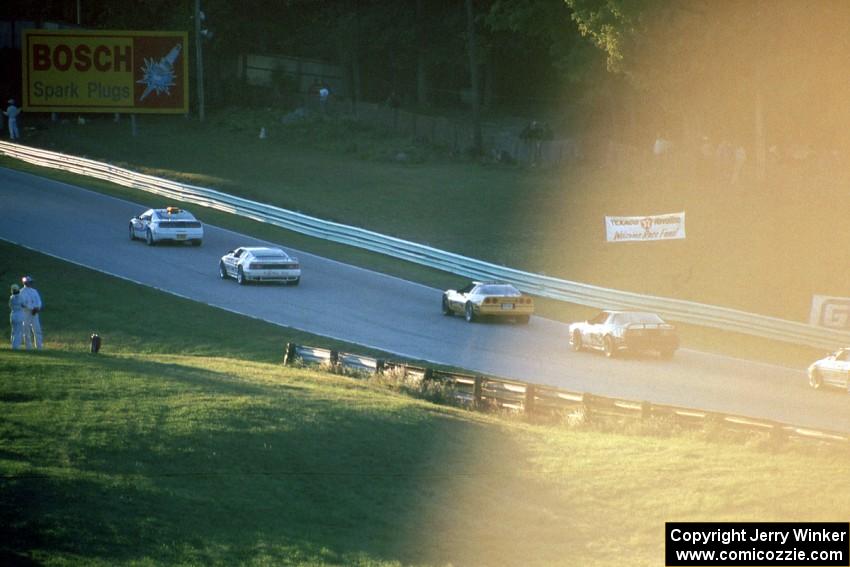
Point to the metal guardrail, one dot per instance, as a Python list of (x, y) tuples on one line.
[(486, 392), (582, 294)]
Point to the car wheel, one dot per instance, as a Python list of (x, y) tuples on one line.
[(132, 233), (149, 237), (523, 319), (222, 271), (610, 349), (815, 380), (446, 309), (469, 313), (197, 242), (576, 342), (240, 276)]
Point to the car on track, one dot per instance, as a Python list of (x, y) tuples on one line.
[(831, 370), (485, 299), (615, 331), (168, 224), (260, 264)]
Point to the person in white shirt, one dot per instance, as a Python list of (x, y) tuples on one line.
[(324, 94), (32, 305), (12, 113), (16, 316)]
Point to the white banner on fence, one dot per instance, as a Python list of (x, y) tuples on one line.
[(653, 227), (830, 312)]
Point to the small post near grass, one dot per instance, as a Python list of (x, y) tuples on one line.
[(289, 354), (528, 405), (476, 392)]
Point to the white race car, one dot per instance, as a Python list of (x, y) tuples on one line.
[(488, 299), (832, 370), (613, 331), (260, 264), (170, 223)]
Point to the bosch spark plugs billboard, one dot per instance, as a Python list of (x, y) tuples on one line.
[(105, 71)]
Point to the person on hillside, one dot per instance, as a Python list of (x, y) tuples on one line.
[(16, 316), (11, 114), (535, 134), (32, 305)]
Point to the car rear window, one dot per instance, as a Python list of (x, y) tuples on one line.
[(499, 290), (627, 318)]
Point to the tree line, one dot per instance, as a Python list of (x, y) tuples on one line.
[(754, 72)]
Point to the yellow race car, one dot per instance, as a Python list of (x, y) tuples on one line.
[(484, 299)]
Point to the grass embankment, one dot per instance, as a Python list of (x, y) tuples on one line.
[(737, 252), (221, 456)]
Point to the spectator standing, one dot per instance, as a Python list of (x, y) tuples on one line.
[(11, 114), (740, 160), (16, 316), (324, 94), (661, 146), (536, 134), (32, 305)]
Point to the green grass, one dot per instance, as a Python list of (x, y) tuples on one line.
[(131, 318), (178, 445)]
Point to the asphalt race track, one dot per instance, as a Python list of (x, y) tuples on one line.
[(368, 308)]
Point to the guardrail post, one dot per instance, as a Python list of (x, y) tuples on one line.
[(380, 366), (334, 357), (476, 392), (289, 354), (778, 434), (528, 405), (587, 405)]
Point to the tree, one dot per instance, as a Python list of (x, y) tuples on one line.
[(754, 72), (477, 142)]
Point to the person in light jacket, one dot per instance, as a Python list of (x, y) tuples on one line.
[(16, 316), (12, 113), (32, 307)]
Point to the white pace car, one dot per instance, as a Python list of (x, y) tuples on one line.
[(260, 264), (832, 370), (170, 223)]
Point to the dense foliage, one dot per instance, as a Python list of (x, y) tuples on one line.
[(754, 73)]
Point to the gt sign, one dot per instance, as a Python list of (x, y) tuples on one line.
[(832, 312), (105, 71)]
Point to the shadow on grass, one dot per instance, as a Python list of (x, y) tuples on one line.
[(206, 470)]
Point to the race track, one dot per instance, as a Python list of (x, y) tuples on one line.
[(379, 311)]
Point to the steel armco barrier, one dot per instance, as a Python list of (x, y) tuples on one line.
[(478, 391), (563, 290)]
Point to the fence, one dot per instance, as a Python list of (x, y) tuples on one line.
[(563, 290), (476, 391), (500, 142)]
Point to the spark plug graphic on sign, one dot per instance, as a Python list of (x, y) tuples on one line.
[(159, 76)]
